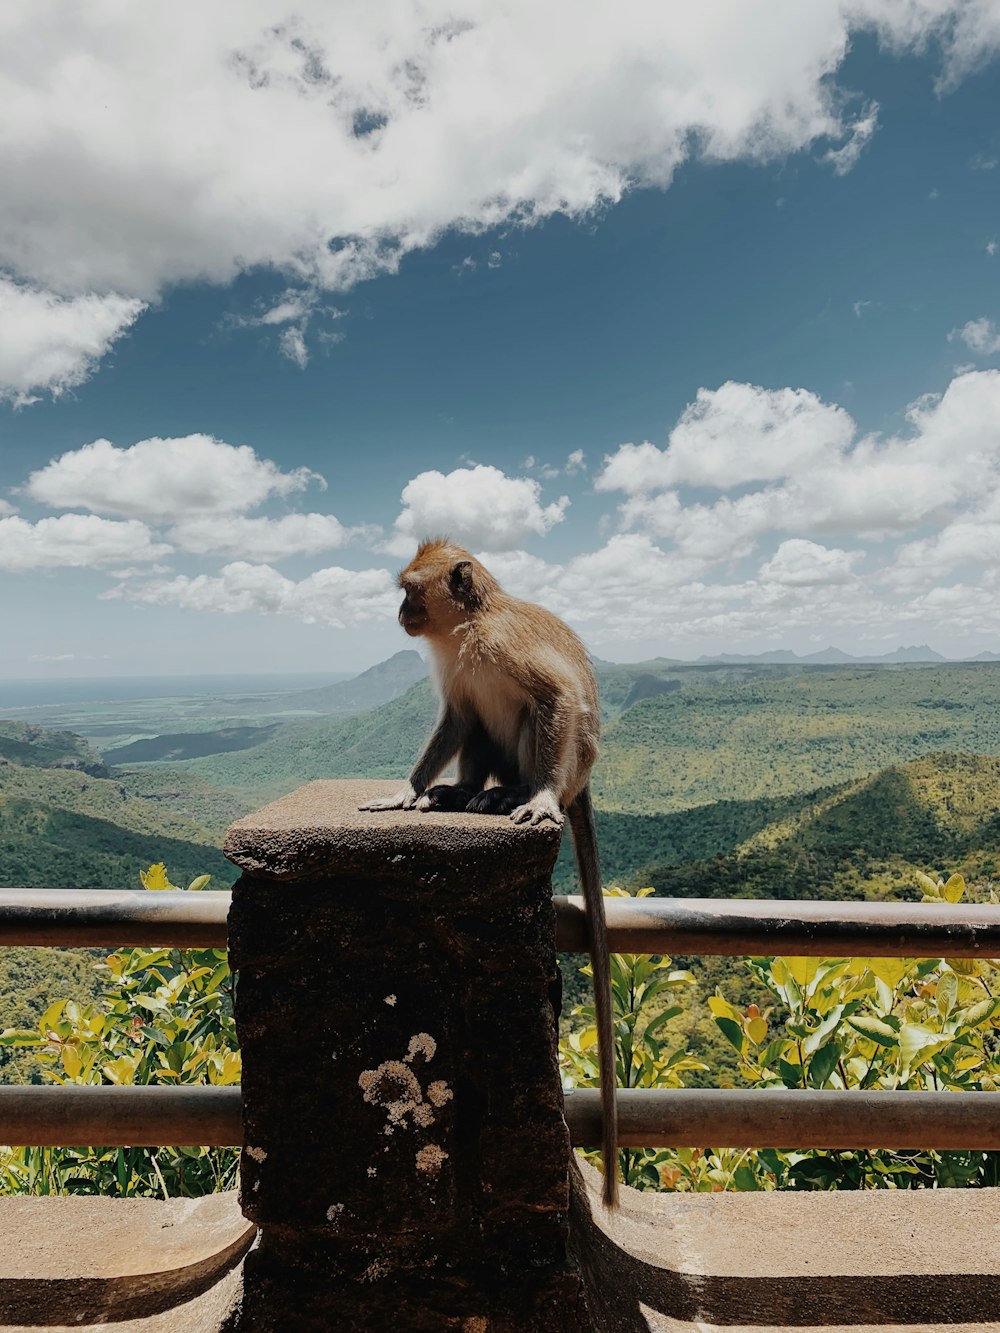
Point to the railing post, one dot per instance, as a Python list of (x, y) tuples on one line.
[(405, 1156)]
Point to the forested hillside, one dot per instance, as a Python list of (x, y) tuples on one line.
[(773, 735), (862, 840), (63, 828)]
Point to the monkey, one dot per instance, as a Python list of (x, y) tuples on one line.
[(519, 709)]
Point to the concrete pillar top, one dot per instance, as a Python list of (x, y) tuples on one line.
[(318, 829)]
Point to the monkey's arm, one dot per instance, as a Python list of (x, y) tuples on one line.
[(545, 757), (442, 745)]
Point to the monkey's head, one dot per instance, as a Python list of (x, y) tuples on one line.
[(443, 585)]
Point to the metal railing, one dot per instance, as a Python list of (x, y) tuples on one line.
[(687, 1117)]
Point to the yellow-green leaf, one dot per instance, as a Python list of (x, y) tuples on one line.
[(954, 889), (757, 1030)]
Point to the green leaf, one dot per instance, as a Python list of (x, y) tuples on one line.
[(823, 1063), (946, 993), (875, 1028), (917, 1044), (732, 1032), (978, 1013), (660, 1019)]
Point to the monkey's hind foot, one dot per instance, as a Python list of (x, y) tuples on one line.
[(539, 808), (497, 800), (445, 797)]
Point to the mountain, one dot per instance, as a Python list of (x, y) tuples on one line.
[(380, 684), (832, 657)]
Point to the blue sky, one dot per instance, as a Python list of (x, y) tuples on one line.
[(701, 350)]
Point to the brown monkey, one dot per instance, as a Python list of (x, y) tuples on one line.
[(519, 708)]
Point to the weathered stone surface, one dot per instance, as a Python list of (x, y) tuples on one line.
[(902, 1261), (406, 1154), (82, 1262), (318, 830)]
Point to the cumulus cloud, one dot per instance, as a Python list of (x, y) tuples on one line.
[(333, 596), (265, 538), (819, 478), (164, 479), (328, 141), (480, 507), (50, 343), (76, 541), (805, 564), (979, 335), (729, 436)]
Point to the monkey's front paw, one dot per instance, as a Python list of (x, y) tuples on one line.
[(445, 796), (538, 810), (497, 800), (401, 800)]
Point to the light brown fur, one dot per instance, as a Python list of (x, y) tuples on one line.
[(519, 708)]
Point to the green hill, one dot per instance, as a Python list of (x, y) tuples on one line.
[(864, 839), (775, 734), (382, 743), (29, 746), (61, 827)]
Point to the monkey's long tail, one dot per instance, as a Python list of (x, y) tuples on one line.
[(581, 819)]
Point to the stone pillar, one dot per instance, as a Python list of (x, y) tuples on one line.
[(405, 1152)]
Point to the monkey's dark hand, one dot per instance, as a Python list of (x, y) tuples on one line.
[(445, 796), (405, 799), (497, 800)]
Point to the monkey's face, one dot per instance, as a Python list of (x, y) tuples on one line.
[(413, 614)]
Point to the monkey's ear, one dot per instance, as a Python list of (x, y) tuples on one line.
[(462, 584)]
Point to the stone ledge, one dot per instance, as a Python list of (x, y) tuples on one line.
[(319, 829), (896, 1261), (141, 1264), (852, 1262)]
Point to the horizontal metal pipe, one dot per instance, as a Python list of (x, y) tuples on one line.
[(759, 926), (120, 1117), (112, 918), (109, 918), (749, 1118)]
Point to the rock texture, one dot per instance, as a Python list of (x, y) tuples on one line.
[(406, 1155)]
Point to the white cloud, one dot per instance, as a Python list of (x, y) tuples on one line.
[(991, 248), (860, 134), (333, 596), (729, 436), (77, 541), (804, 564), (478, 506), (328, 141), (262, 538), (979, 335), (49, 343), (817, 479), (164, 479)]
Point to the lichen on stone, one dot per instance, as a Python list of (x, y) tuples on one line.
[(422, 1044), (438, 1092), (430, 1159)]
